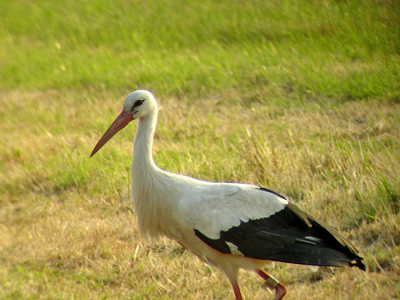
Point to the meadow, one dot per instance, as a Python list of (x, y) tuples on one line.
[(301, 97)]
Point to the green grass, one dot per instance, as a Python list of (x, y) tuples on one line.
[(298, 96), (345, 48)]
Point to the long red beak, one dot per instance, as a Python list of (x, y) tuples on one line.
[(120, 122)]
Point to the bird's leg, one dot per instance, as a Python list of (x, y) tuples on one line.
[(236, 290), (273, 283)]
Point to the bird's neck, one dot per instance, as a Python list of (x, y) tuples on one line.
[(154, 192), (142, 150), (146, 179)]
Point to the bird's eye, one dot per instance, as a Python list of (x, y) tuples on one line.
[(137, 103)]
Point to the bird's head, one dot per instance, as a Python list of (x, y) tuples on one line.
[(138, 104)]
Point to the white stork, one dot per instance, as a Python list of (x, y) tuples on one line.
[(227, 225)]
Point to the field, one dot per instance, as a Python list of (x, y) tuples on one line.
[(302, 97)]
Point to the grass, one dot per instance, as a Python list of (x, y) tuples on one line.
[(298, 96)]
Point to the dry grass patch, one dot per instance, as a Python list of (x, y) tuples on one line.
[(67, 228)]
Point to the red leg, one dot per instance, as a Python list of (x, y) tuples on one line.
[(236, 290), (272, 283)]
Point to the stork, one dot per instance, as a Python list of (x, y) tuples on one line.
[(228, 225)]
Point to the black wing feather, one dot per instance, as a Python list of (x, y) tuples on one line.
[(290, 236)]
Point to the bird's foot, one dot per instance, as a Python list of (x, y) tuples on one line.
[(273, 284), (280, 291)]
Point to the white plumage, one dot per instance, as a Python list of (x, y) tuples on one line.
[(231, 226)]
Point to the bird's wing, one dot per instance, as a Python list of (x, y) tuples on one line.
[(260, 224), (213, 208)]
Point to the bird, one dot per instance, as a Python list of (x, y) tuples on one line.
[(231, 226)]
